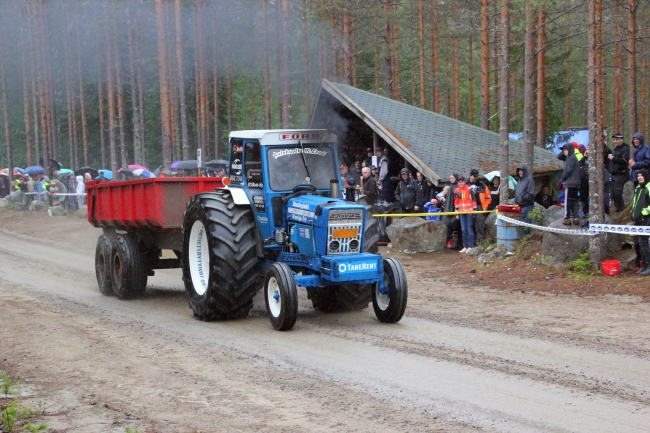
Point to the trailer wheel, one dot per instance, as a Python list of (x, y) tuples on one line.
[(220, 263), (128, 272), (103, 265), (281, 296), (357, 296), (324, 298), (389, 307)]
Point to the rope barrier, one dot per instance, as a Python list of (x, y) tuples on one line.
[(593, 229), (430, 214)]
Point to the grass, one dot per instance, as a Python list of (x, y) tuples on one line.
[(13, 413)]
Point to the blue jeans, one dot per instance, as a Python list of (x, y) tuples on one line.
[(524, 210), (467, 224), (384, 189)]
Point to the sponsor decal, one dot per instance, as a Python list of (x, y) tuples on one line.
[(357, 267), (255, 185), (199, 258), (300, 205), (263, 219), (301, 136), (236, 167), (298, 150), (296, 211), (304, 233), (259, 203), (345, 216), (237, 149)]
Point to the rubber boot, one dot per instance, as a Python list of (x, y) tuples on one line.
[(644, 272)]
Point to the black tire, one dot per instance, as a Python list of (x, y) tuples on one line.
[(324, 298), (232, 279), (354, 296), (103, 265), (128, 271), (390, 308), (281, 296)]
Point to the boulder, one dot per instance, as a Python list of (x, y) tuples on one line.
[(418, 235), (82, 212), (57, 211), (628, 193), (552, 214), (558, 249), (37, 205), (3, 202), (491, 228)]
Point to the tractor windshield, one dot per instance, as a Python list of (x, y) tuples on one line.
[(287, 169)]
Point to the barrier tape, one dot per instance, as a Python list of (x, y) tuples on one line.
[(593, 229), (57, 193), (377, 215)]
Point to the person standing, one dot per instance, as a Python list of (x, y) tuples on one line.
[(465, 201), (483, 198), (406, 192), (368, 161), (369, 186), (641, 157), (384, 177), (571, 181), (584, 181), (423, 192), (525, 192), (495, 193), (619, 171), (641, 217), (81, 191), (543, 198), (452, 221), (356, 172)]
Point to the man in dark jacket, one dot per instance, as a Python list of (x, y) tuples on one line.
[(571, 181), (641, 157), (543, 198), (618, 169), (369, 186), (423, 192), (406, 192), (452, 221), (641, 217), (525, 192)]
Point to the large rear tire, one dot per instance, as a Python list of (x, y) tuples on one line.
[(324, 298), (390, 307), (103, 265), (220, 263), (128, 271), (281, 296), (357, 297)]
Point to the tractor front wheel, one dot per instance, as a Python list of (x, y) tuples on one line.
[(389, 307), (281, 296)]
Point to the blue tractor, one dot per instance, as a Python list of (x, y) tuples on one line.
[(280, 224)]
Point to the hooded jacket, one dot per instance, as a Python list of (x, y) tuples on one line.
[(81, 186), (571, 173), (406, 193), (641, 203), (449, 203), (641, 157), (619, 165), (525, 192), (464, 198)]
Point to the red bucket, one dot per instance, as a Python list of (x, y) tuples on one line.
[(611, 267)]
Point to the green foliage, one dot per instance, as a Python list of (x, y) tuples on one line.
[(536, 215), (8, 385), (10, 415), (33, 428), (129, 430), (582, 265)]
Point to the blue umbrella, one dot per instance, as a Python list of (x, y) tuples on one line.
[(33, 169), (107, 174), (143, 172), (19, 169)]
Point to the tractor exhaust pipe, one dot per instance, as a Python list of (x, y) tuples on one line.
[(335, 192)]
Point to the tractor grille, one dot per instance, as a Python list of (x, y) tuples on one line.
[(344, 231)]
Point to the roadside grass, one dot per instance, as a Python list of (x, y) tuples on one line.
[(14, 414)]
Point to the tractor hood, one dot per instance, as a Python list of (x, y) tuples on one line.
[(306, 209)]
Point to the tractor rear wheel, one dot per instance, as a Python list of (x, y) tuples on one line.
[(324, 298), (103, 265), (128, 271), (220, 263), (357, 296)]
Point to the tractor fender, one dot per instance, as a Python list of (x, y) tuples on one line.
[(238, 196)]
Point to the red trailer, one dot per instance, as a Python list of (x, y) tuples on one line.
[(139, 218)]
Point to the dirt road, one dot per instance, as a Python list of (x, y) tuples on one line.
[(462, 359)]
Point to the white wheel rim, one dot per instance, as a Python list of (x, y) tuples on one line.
[(273, 297), (199, 258), (382, 300)]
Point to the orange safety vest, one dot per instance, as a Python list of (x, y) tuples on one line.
[(463, 201), (485, 198)]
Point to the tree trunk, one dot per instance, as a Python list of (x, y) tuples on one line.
[(470, 80), (305, 60), (435, 62), (485, 64), (138, 68), (164, 87), (216, 88), (541, 79), (529, 88), (82, 102), (181, 79), (421, 43), (110, 92), (229, 101), (267, 67), (567, 101), (631, 66), (495, 67), (397, 85), (596, 247), (124, 159), (619, 90), (285, 74), (377, 56), (33, 88), (347, 48), (137, 132), (100, 101), (455, 77), (26, 105), (388, 51), (504, 153), (5, 108)]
